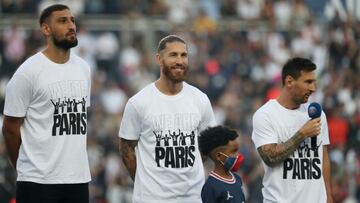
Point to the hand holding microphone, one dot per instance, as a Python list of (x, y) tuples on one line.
[(312, 128), (314, 111)]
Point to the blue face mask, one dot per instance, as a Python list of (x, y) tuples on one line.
[(233, 163)]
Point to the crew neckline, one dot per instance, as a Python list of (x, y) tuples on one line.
[(53, 62), (170, 97), (222, 179), (286, 109)]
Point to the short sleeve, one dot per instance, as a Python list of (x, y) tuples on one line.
[(88, 102), (130, 123), (208, 117), (324, 130), (208, 194), (17, 96), (263, 133)]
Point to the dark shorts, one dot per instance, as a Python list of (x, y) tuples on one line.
[(29, 192)]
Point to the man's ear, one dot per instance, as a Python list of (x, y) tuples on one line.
[(45, 29), (289, 80), (158, 58)]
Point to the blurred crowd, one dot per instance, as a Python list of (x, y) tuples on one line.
[(238, 68)]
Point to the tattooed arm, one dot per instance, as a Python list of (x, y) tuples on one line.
[(127, 153), (275, 153)]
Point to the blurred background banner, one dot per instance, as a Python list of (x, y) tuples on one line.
[(329, 8), (236, 50)]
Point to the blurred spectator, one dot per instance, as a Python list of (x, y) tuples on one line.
[(130, 60), (157, 8), (24, 6), (282, 12), (227, 8), (267, 12), (94, 6), (77, 7), (179, 11), (14, 49), (338, 128), (107, 47), (113, 98), (85, 47), (203, 24), (300, 13), (211, 7), (249, 9)]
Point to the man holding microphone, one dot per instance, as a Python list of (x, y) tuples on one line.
[(292, 145)]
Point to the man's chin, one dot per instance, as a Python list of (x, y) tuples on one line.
[(305, 100), (66, 43), (177, 79), (69, 44)]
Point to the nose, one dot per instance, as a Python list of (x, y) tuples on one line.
[(179, 59), (72, 25), (312, 87)]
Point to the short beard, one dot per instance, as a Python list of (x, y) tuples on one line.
[(174, 78), (64, 43), (299, 100)]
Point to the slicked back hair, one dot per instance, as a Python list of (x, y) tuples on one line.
[(294, 66), (214, 137), (168, 39), (46, 13)]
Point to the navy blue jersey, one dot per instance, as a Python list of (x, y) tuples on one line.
[(220, 190)]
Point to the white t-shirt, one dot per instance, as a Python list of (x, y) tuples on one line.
[(53, 98), (299, 178), (169, 166)]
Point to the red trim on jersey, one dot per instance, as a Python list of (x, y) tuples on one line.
[(225, 180)]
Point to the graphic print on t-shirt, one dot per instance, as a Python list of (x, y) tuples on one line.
[(304, 163), (175, 148), (69, 102)]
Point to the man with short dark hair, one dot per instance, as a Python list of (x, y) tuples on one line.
[(159, 131), (297, 170), (45, 122)]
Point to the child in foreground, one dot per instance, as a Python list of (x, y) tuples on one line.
[(222, 185)]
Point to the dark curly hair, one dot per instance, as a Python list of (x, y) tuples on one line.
[(214, 137)]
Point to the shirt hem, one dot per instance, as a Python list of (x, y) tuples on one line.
[(53, 181)]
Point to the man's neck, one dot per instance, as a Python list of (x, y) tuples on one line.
[(57, 55), (285, 100), (168, 87)]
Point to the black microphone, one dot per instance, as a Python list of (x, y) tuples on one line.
[(314, 111)]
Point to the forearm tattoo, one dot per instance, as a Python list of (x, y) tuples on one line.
[(127, 152), (273, 154)]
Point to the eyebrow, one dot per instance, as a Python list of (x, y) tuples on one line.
[(65, 17), (311, 80), (176, 52)]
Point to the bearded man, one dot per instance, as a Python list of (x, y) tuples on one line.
[(159, 131)]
